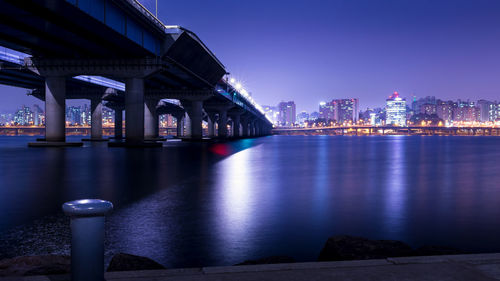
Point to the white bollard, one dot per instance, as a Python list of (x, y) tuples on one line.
[(87, 238)]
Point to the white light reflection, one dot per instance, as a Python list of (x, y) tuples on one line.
[(395, 202), (235, 185)]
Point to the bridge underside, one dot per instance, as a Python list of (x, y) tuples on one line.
[(67, 40)]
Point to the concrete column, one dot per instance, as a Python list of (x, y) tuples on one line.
[(211, 124), (236, 125), (195, 112), (55, 109), (222, 124), (251, 132), (151, 122), (118, 124), (180, 124), (96, 120), (244, 125), (187, 126), (134, 109)]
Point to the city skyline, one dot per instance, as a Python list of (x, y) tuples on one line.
[(359, 48)]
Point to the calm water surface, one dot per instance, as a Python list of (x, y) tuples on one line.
[(219, 204)]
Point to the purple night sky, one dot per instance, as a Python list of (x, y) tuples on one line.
[(315, 50)]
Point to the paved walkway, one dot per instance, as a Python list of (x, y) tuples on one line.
[(460, 267)]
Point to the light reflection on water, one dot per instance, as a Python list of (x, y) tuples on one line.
[(220, 204)]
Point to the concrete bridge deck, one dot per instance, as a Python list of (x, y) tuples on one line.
[(460, 267)]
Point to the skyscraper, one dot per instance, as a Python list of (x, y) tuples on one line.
[(287, 113), (488, 110), (444, 111), (23, 116), (340, 110), (272, 113), (396, 110), (348, 110)]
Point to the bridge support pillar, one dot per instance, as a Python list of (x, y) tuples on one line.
[(151, 122), (236, 125), (194, 110), (222, 124), (187, 126), (134, 110), (211, 124), (96, 119), (55, 113), (55, 109), (118, 124), (244, 127), (179, 117)]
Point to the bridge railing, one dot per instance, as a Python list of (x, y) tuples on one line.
[(143, 10)]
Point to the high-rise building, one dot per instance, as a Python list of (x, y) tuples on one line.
[(466, 114), (24, 116), (108, 116), (395, 110), (287, 113), (416, 105), (86, 116), (444, 111), (348, 110), (314, 116), (488, 110), (73, 115), (38, 116), (340, 110), (302, 117), (327, 111), (6, 118), (428, 109), (272, 113)]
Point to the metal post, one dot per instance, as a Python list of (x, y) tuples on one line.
[(87, 238)]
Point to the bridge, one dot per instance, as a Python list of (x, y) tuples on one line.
[(116, 53), (383, 130)]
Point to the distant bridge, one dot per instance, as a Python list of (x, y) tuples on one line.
[(383, 130), (118, 52)]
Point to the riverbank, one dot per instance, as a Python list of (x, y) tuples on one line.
[(456, 267)]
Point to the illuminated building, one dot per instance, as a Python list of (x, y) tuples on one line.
[(428, 109), (272, 113), (302, 117), (73, 115), (314, 116), (287, 113), (395, 110), (327, 111), (24, 117), (340, 110), (348, 110), (445, 112), (488, 110)]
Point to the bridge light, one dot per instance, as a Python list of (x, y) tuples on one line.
[(238, 86), (232, 81)]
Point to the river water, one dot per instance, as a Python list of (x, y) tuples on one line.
[(200, 204)]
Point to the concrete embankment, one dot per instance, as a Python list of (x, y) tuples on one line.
[(458, 267)]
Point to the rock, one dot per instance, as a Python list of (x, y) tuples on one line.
[(127, 262), (356, 248), (269, 260), (35, 265), (437, 250)]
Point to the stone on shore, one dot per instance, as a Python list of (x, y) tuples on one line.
[(269, 260), (127, 262), (338, 248), (35, 265)]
